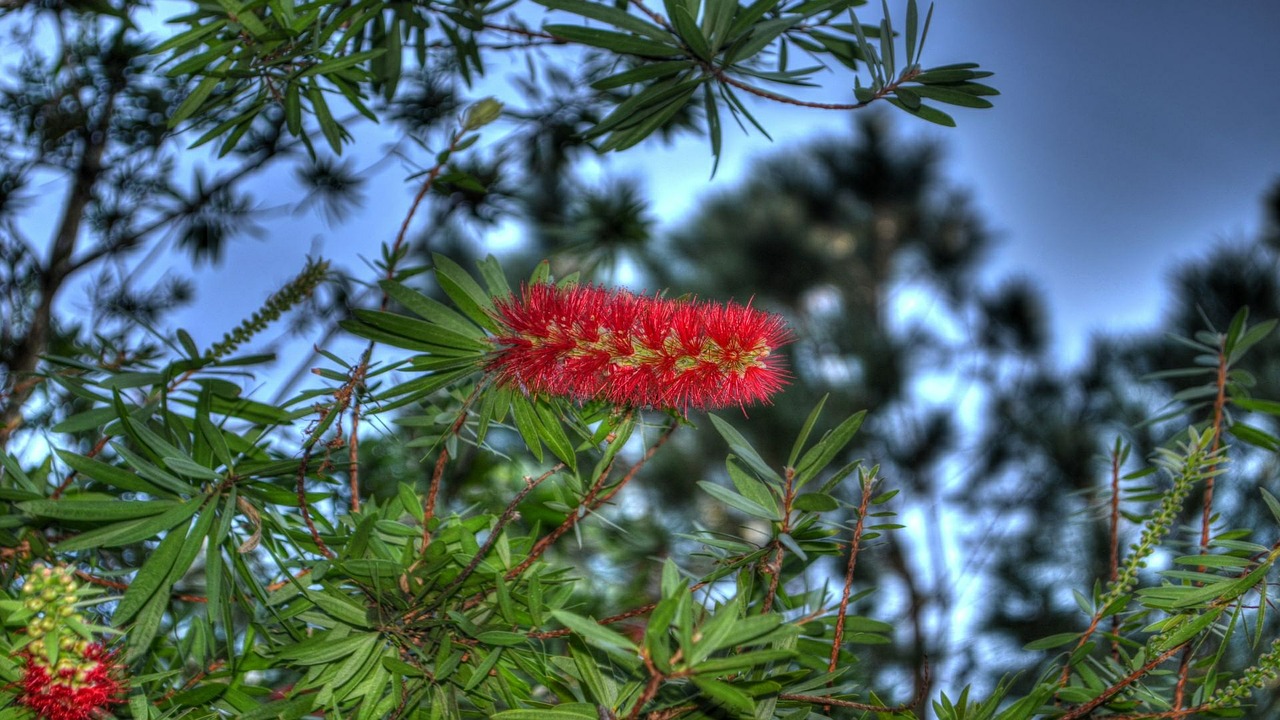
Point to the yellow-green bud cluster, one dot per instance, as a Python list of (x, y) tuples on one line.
[(51, 593)]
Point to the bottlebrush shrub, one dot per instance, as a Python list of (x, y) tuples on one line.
[(256, 575)]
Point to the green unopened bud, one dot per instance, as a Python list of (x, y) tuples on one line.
[(481, 113)]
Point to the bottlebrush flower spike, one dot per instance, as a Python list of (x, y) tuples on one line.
[(589, 343), (77, 681)]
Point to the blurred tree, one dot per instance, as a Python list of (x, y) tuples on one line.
[(1039, 492)]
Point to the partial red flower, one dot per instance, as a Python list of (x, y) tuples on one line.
[(589, 343), (80, 687), (64, 677)]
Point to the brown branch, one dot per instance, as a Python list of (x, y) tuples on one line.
[(863, 505), (775, 566), (507, 516), (302, 504), (1106, 695), (650, 689), (592, 500), (432, 176), (353, 455), (1219, 407)]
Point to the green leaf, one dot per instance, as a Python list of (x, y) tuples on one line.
[(562, 711), (1270, 407), (613, 41), (431, 310), (743, 661), (832, 443), (725, 694), (607, 14), (1272, 503), (411, 503), (144, 630), (526, 423), (429, 334), (502, 638), (338, 606), (334, 65), (807, 428), (1255, 436), (87, 420), (738, 502), (104, 510), (464, 291), (109, 474), (493, 276), (948, 95), (751, 488), (130, 531), (552, 433), (647, 71), (1052, 641), (739, 446), (199, 95), (151, 577), (190, 468), (594, 633), (913, 22), (333, 132), (686, 27), (638, 124), (924, 112), (816, 502)]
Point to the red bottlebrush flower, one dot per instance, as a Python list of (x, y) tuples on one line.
[(79, 680), (80, 687), (589, 343)]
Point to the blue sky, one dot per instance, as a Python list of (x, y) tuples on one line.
[(1129, 136)]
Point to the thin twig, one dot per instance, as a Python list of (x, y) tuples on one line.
[(590, 502), (1106, 695), (830, 701), (303, 505), (353, 455), (496, 530), (863, 505), (1219, 407), (626, 615), (784, 527), (650, 689)]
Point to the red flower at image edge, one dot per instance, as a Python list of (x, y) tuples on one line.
[(589, 343), (82, 689)]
